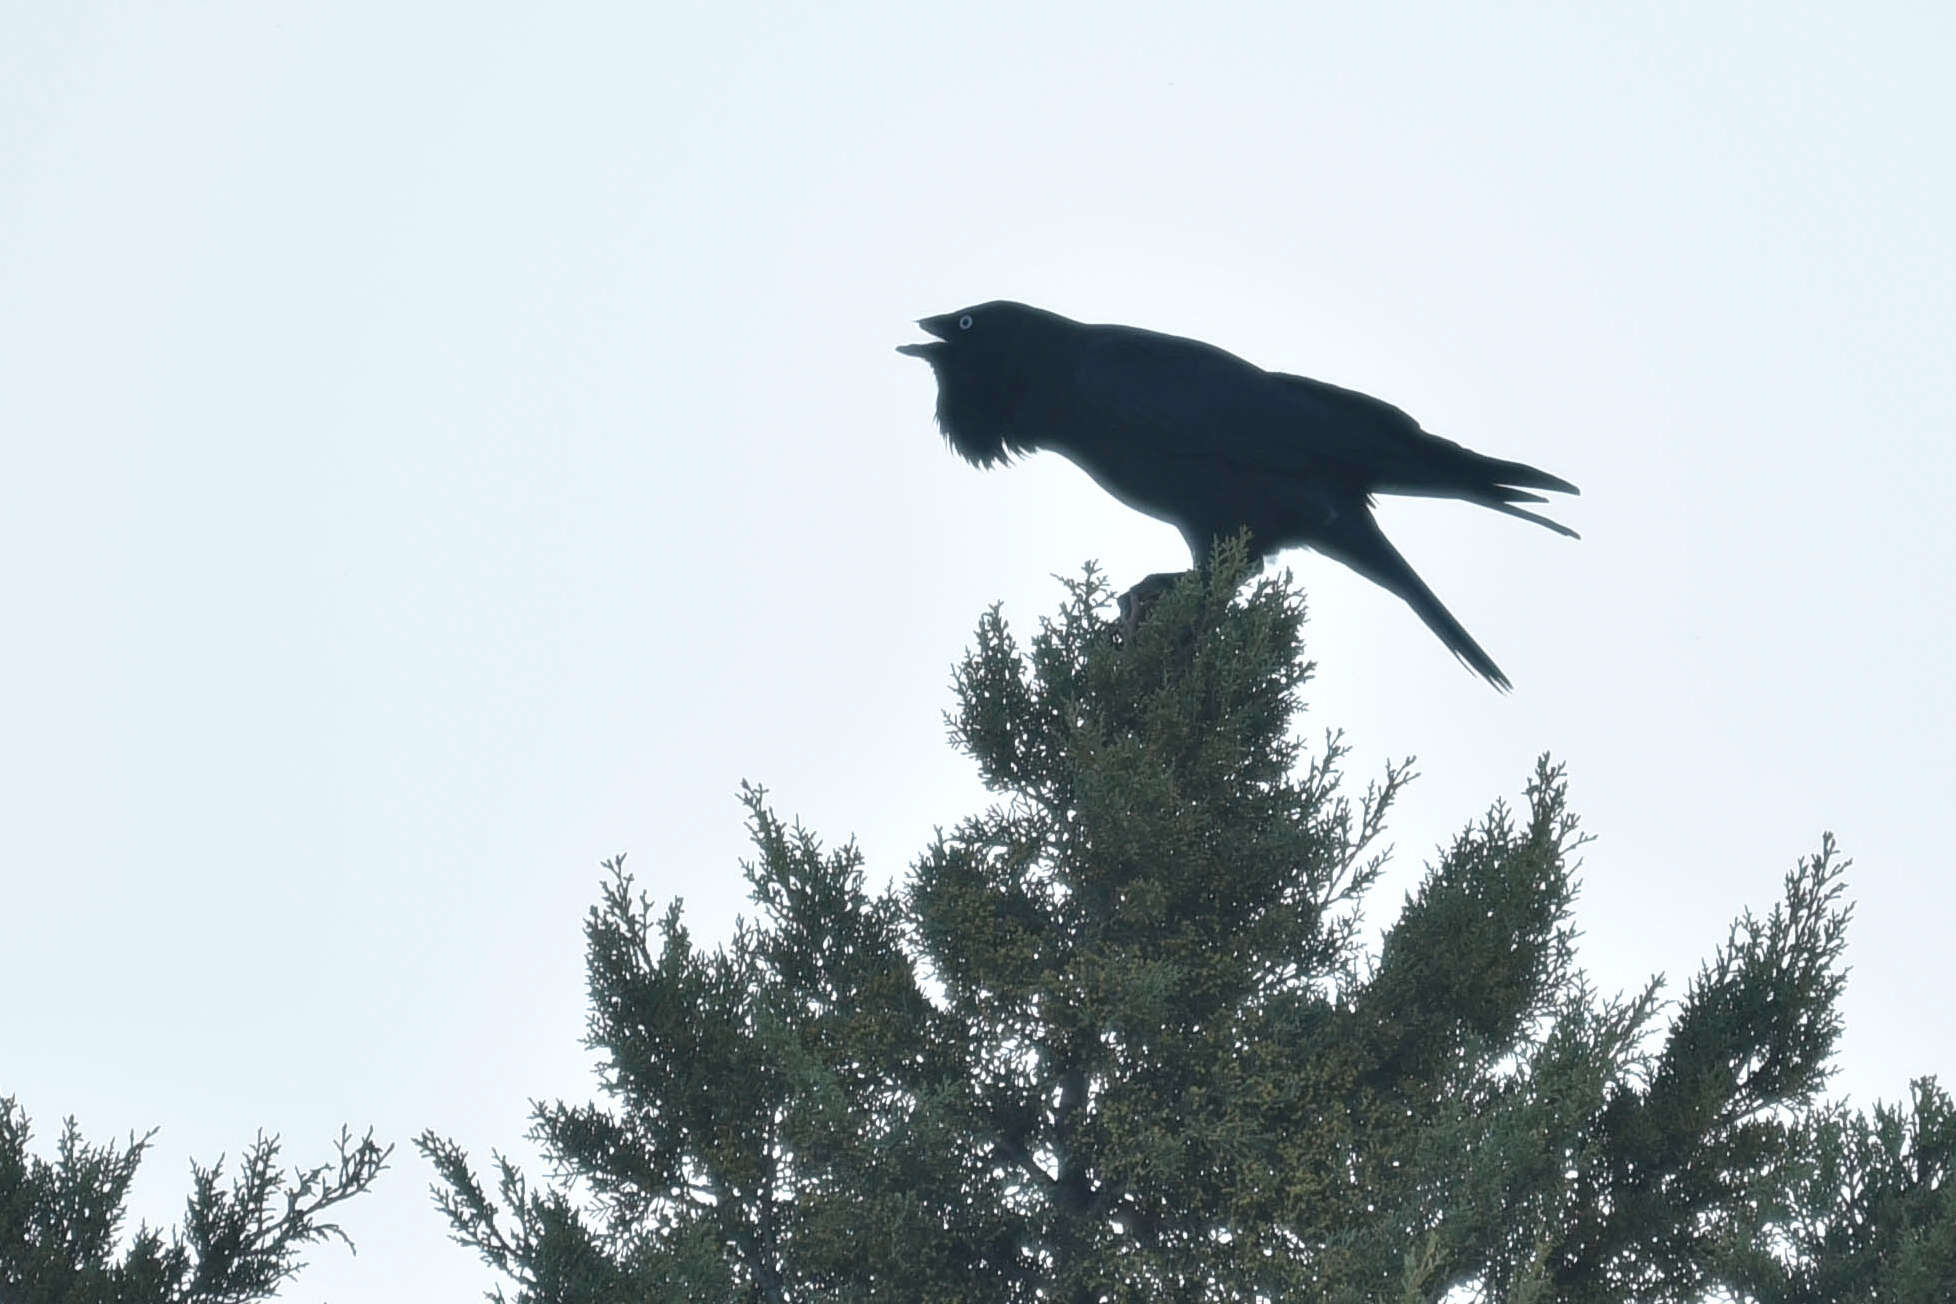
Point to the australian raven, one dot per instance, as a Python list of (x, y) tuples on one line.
[(1210, 443)]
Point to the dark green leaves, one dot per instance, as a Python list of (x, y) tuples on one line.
[(1119, 1036), (60, 1222)]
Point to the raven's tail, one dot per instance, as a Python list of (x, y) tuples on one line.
[(1355, 539), (1473, 477), (1519, 474), (1504, 500)]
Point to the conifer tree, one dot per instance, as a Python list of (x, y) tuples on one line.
[(61, 1222), (1121, 1036)]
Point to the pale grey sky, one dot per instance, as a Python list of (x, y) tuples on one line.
[(447, 444)]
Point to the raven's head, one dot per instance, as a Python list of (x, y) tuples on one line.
[(990, 361)]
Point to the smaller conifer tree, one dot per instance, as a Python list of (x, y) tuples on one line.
[(61, 1221)]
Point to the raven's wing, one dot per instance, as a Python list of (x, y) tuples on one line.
[(1183, 396), (1406, 458), (1180, 398), (1169, 396)]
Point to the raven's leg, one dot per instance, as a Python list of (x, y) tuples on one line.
[(1136, 602)]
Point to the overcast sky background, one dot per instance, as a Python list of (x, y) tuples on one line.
[(446, 445)]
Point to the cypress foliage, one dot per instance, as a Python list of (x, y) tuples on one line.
[(61, 1222), (1119, 1036)]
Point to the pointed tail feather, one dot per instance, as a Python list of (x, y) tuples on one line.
[(1473, 478), (1439, 468), (1520, 474), (1507, 506), (1355, 539), (1500, 499)]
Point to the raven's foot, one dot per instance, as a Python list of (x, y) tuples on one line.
[(1137, 601)]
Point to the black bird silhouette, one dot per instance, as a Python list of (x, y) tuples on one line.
[(1212, 444)]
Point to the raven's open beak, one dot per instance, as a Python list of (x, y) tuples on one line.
[(937, 326)]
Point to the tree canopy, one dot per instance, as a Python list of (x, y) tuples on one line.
[(1122, 1035)]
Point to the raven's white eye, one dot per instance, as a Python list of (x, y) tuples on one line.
[(964, 322)]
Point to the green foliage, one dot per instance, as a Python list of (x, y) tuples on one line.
[(1120, 1036), (1870, 1208), (60, 1222)]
